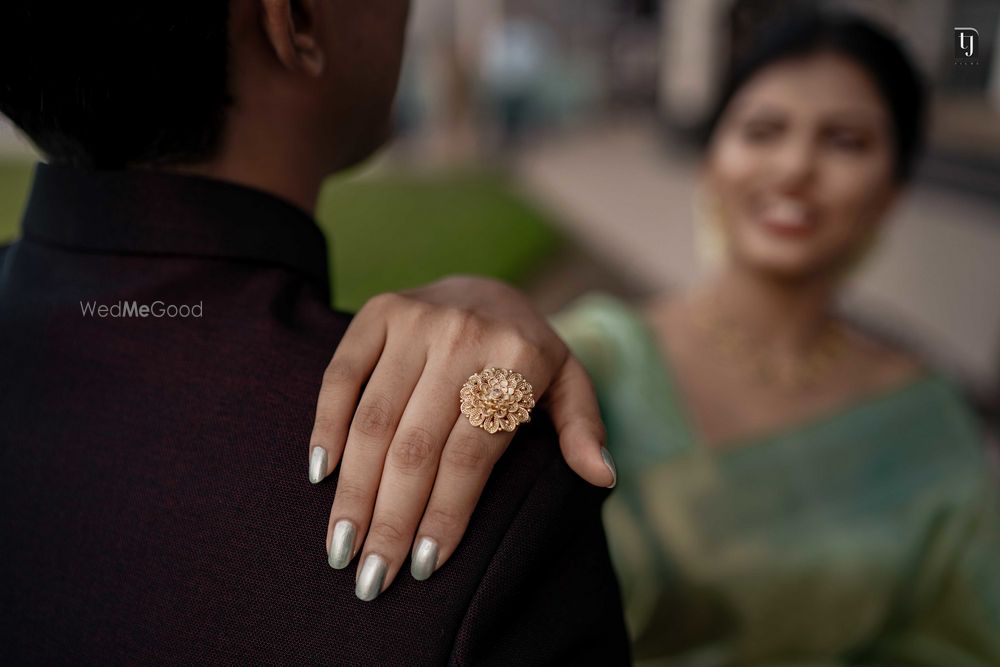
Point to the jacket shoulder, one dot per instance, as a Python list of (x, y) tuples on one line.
[(551, 555)]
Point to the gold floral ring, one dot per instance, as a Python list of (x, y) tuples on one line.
[(497, 399)]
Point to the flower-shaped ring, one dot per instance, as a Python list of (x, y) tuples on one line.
[(497, 399)]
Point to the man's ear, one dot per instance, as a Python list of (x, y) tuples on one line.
[(292, 29)]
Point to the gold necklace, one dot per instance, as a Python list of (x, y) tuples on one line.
[(787, 374)]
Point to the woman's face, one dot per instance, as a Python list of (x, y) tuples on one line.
[(800, 167)]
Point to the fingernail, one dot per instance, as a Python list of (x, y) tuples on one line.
[(424, 559), (317, 465), (610, 462), (342, 544), (370, 580)]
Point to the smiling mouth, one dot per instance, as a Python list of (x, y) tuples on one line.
[(786, 217)]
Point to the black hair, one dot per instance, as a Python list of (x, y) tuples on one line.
[(111, 85), (805, 32)]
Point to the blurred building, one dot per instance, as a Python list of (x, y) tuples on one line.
[(481, 75)]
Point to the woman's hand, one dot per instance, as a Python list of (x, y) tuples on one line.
[(411, 465)]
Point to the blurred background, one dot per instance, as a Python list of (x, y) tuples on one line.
[(552, 143)]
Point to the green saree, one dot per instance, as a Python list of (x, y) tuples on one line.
[(867, 537)]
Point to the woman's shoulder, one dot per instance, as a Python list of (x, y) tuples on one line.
[(882, 365), (925, 408), (891, 369)]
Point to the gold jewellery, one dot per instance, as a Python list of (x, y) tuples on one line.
[(497, 399), (794, 374)]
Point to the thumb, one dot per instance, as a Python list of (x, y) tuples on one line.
[(572, 405)]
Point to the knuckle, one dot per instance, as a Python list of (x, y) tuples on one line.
[(374, 416), (562, 387), (384, 301), (525, 354), (419, 313), (412, 450), (462, 328), (529, 355), (444, 521), (338, 371), (387, 532), (467, 454), (351, 495), (325, 427)]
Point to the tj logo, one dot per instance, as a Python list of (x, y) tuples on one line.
[(966, 46)]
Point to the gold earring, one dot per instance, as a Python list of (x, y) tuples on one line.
[(709, 239)]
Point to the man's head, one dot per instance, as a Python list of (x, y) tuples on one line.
[(163, 83)]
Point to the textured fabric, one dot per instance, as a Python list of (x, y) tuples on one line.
[(154, 501), (870, 536)]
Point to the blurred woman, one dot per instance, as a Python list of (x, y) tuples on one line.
[(790, 490)]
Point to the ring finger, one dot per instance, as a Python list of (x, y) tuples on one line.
[(407, 478)]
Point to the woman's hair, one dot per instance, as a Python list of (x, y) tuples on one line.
[(879, 54)]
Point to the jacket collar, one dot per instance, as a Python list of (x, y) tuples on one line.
[(159, 213)]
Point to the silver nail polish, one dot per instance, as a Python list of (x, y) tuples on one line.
[(342, 544), (317, 465), (610, 462), (423, 562), (370, 580)]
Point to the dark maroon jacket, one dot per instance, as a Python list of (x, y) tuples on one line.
[(154, 501)]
